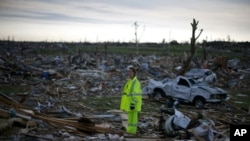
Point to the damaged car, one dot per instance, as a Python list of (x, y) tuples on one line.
[(201, 75), (184, 89)]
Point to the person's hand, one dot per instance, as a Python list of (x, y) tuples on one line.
[(132, 107)]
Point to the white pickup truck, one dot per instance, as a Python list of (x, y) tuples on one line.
[(185, 90)]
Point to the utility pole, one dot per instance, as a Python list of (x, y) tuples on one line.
[(136, 40)]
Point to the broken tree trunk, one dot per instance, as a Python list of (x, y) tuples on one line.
[(185, 65)]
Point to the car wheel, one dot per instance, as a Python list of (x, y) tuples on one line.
[(158, 94), (199, 103)]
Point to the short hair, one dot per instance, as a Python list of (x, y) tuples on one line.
[(133, 69)]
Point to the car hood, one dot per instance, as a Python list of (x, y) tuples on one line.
[(214, 90)]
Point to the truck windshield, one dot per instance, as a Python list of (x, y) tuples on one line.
[(192, 81)]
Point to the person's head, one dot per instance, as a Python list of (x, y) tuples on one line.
[(131, 72)]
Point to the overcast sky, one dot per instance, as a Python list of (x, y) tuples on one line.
[(113, 20)]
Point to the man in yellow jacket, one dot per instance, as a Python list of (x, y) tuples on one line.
[(131, 100)]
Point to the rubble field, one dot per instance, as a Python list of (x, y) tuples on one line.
[(77, 96)]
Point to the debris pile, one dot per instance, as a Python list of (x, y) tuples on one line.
[(51, 108)]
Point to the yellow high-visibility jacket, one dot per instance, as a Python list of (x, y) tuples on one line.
[(132, 94)]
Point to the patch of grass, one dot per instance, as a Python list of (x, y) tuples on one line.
[(10, 89), (102, 104), (52, 51), (105, 103), (173, 50), (240, 97)]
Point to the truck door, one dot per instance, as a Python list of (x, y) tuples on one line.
[(182, 89)]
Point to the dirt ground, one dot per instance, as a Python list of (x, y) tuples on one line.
[(48, 98)]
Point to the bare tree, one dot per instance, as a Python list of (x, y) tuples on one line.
[(185, 65), (164, 46)]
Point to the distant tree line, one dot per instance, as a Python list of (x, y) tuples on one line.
[(212, 44), (228, 45)]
